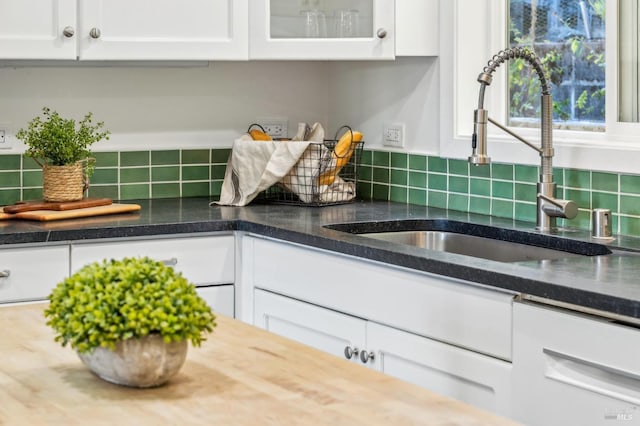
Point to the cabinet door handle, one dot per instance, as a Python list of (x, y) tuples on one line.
[(381, 33), (5, 273), (350, 352), (366, 356), (170, 262), (592, 376), (68, 32), (95, 33)]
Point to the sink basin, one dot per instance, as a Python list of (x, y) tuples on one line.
[(481, 241)]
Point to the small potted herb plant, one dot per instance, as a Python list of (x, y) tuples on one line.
[(129, 320), (61, 148)]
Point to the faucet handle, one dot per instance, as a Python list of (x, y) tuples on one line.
[(559, 208)]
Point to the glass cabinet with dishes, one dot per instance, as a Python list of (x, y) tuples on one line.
[(322, 29)]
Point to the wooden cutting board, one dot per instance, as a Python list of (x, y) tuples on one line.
[(23, 206), (47, 215)]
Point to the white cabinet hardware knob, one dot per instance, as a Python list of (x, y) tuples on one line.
[(5, 273), (366, 356), (381, 33), (95, 33), (350, 352), (68, 32)]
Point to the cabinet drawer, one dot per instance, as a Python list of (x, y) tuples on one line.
[(202, 260), (593, 363), (434, 306), (220, 298), (32, 272)]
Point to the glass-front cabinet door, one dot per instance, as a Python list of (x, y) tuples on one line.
[(322, 29)]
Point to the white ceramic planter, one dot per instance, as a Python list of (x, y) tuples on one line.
[(144, 362)]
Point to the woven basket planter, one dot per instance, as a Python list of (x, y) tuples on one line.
[(64, 183)]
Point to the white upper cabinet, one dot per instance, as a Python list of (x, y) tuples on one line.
[(322, 29), (124, 29), (210, 30), (162, 29), (35, 29)]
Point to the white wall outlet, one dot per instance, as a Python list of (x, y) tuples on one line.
[(5, 141), (393, 135), (276, 127)]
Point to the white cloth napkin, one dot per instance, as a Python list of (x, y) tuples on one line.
[(254, 166)]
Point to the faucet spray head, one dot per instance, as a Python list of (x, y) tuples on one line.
[(479, 138)]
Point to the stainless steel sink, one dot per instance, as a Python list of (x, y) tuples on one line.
[(470, 245), (469, 239)]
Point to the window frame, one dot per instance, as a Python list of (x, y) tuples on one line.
[(476, 32)]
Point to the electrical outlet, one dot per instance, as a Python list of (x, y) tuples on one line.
[(393, 135), (4, 139), (276, 127)]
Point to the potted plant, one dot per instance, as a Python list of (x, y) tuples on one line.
[(129, 320), (61, 148)]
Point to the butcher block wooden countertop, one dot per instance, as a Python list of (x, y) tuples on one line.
[(240, 376)]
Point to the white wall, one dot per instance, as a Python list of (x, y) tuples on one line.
[(190, 106), (154, 107), (367, 94)]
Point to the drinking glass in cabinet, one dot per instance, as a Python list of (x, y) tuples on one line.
[(347, 23), (314, 23)]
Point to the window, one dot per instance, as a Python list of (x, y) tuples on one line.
[(591, 138), (569, 37)]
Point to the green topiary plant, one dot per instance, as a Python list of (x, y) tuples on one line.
[(114, 300), (58, 141)]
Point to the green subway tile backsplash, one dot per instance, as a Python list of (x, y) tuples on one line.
[(501, 171), (604, 181), (134, 158), (381, 159), (398, 194), (133, 175), (459, 167), (399, 177), (9, 162), (508, 190), (195, 172), (10, 179), (577, 179), (503, 190), (437, 164), (417, 162), (417, 179), (163, 158), (526, 173), (165, 173), (399, 160), (196, 156), (106, 159), (630, 184)]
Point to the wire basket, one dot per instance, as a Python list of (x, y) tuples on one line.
[(321, 176)]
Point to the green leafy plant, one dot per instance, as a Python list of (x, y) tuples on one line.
[(113, 300), (58, 141)]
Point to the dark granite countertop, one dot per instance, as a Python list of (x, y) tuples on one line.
[(608, 283)]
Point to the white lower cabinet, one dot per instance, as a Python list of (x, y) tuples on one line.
[(30, 273), (465, 375), (572, 369), (206, 261), (219, 297), (323, 329)]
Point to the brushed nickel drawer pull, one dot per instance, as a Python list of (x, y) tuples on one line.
[(5, 273), (170, 262)]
